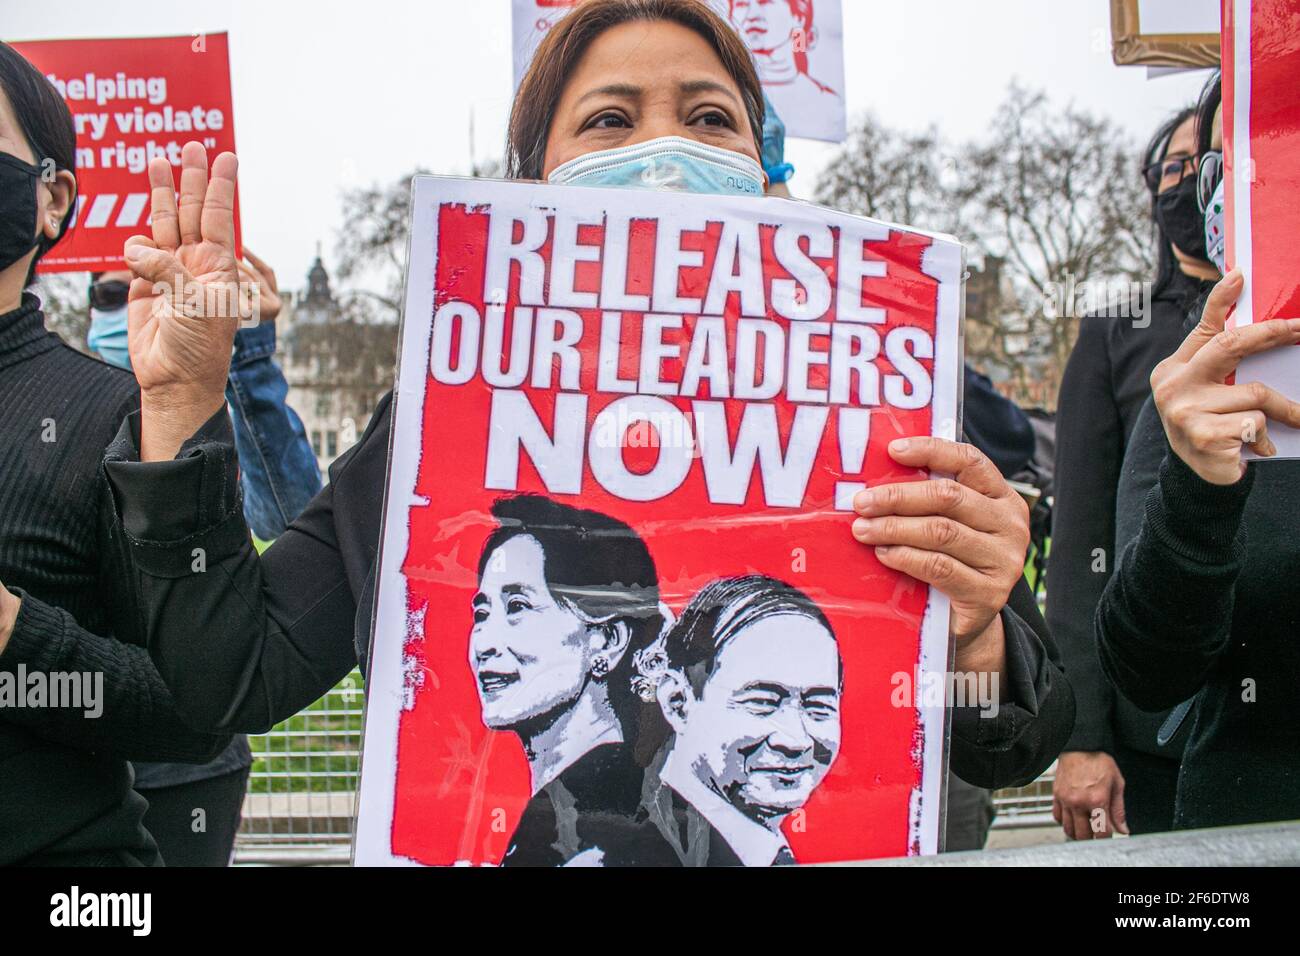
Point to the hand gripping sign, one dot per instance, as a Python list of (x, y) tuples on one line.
[(621, 618)]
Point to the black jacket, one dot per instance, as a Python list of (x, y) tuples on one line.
[(65, 784), (281, 629), (1203, 603), (1107, 379)]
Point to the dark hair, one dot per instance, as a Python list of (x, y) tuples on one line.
[(564, 45), (1158, 149), (721, 610), (594, 565), (1206, 107), (46, 124)]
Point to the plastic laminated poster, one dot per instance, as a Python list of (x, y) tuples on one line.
[(621, 618), (1261, 151)]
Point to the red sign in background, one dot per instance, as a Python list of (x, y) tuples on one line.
[(131, 99), (460, 788)]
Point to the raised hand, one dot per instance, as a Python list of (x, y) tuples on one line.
[(261, 292), (1208, 422), (184, 303)]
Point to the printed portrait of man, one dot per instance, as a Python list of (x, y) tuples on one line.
[(750, 680)]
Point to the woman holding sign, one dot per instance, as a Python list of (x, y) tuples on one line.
[(639, 93)]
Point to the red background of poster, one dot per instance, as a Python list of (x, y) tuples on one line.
[(1275, 149), (193, 79), (454, 777)]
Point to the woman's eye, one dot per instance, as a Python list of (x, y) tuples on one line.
[(480, 615), (517, 606), (608, 121), (715, 119)]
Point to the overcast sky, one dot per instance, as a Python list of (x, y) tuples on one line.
[(329, 94)]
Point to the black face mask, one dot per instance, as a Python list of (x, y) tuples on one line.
[(17, 208), (1179, 216)]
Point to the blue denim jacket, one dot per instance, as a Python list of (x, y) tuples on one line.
[(278, 475), (278, 470)]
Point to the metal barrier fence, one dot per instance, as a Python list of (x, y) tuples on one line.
[(302, 790)]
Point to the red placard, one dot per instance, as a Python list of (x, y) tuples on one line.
[(1261, 150), (132, 99), (599, 349)]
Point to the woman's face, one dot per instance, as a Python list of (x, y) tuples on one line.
[(1182, 146), (642, 80), (530, 655), (54, 192)]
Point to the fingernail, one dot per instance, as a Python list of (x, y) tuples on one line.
[(133, 253), (862, 501), (900, 444), (882, 552), (861, 526)]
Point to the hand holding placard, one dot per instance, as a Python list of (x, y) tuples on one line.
[(1208, 422), (184, 303)]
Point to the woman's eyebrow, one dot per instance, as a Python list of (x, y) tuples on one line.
[(624, 90), (688, 87)]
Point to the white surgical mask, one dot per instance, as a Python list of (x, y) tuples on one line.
[(1214, 236), (670, 162)]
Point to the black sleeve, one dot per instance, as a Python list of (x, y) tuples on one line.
[(1166, 615), (133, 715), (1028, 731), (1089, 454), (243, 641)]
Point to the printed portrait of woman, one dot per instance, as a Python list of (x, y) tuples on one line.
[(566, 597), (779, 33)]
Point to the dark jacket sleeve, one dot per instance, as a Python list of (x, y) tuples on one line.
[(243, 641), (136, 718), (1166, 614), (1089, 454), (1015, 745)]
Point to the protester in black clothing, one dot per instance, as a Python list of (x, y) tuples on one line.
[(1202, 603), (1113, 762), (65, 784), (1202, 609)]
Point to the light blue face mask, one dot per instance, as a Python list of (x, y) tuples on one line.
[(670, 162), (1215, 239), (107, 336)]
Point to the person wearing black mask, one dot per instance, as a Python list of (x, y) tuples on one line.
[(66, 793), (1113, 763)]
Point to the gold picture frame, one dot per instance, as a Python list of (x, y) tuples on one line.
[(1131, 47)]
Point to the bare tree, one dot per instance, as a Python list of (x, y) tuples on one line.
[(889, 175), (1048, 200), (1054, 193), (371, 247)]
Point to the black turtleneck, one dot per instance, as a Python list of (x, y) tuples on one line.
[(65, 784)]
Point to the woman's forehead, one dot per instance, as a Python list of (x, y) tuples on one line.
[(648, 57)]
